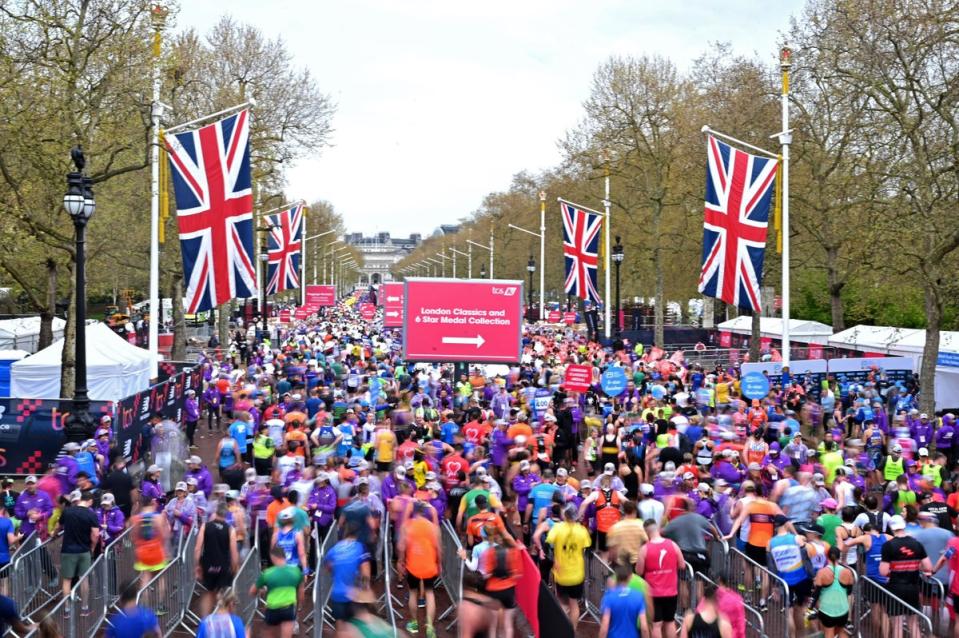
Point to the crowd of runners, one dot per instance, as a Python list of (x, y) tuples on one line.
[(820, 483)]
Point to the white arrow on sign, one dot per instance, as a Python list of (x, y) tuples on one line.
[(392, 314), (392, 298), (478, 340)]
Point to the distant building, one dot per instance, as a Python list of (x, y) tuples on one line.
[(446, 229), (380, 252)]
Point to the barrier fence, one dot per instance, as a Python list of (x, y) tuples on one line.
[(387, 574), (323, 584), (754, 620), (34, 579), (81, 613), (598, 572), (244, 580), (168, 593), (120, 558), (881, 610), (23, 576), (451, 569), (761, 589)]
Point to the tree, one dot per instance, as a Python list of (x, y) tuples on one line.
[(903, 56)]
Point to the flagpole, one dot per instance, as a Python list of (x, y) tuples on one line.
[(785, 138), (608, 310), (230, 111), (158, 15), (542, 255)]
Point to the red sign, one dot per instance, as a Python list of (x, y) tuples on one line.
[(391, 298), (477, 321), (725, 339), (367, 311), (815, 351), (301, 312), (321, 296), (578, 377), (284, 316), (554, 316), (569, 318)]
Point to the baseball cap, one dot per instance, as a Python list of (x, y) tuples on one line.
[(323, 476), (923, 416), (646, 488), (829, 504), (755, 467), (431, 476), (194, 460), (400, 470), (107, 499), (31, 479), (153, 469), (181, 486), (609, 469), (688, 476), (75, 496), (729, 453), (250, 474), (286, 515), (585, 484), (669, 467), (523, 465), (550, 418), (897, 448), (818, 478), (702, 487), (923, 452), (850, 462), (72, 446), (897, 523), (192, 481)]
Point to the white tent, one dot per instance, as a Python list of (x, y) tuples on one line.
[(800, 330), (23, 333), (115, 368), (910, 342)]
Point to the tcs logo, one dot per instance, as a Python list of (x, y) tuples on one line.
[(506, 291)]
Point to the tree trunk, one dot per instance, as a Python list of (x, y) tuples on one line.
[(755, 338), (46, 315), (179, 322), (659, 310), (68, 357), (223, 325), (930, 352), (835, 287)]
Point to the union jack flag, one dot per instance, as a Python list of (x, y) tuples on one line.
[(211, 180), (739, 191), (283, 250), (581, 249)]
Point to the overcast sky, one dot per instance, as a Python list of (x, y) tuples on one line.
[(440, 102)]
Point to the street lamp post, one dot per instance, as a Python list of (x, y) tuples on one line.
[(530, 268), (264, 258), (482, 271), (80, 205), (618, 260)]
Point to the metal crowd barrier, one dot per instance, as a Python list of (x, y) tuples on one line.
[(891, 608), (244, 580), (934, 597), (167, 593), (762, 589), (34, 578), (451, 569), (598, 574), (718, 555), (188, 584), (23, 574), (687, 592), (387, 576), (81, 613), (323, 584), (120, 558)]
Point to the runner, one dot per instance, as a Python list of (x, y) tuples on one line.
[(569, 540), (349, 565), (216, 556), (660, 561), (418, 560), (280, 583), (151, 535)]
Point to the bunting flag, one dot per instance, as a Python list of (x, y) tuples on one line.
[(581, 249), (283, 250), (739, 192), (211, 180)]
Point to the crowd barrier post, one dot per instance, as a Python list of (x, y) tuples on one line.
[(718, 555), (881, 608), (25, 572), (598, 574), (451, 569), (188, 581), (934, 591), (244, 580), (120, 559), (687, 592), (762, 589), (47, 585), (387, 577), (96, 597), (322, 586), (162, 594)]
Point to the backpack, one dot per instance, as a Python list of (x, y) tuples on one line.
[(501, 563)]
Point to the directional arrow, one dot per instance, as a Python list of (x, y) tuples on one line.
[(392, 314), (478, 340), (392, 298)]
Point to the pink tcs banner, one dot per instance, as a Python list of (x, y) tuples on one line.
[(554, 316), (321, 296), (477, 321), (578, 377), (367, 311), (725, 339), (569, 318)]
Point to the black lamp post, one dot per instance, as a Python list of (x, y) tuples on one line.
[(482, 271), (264, 260), (80, 205), (617, 256), (530, 268)]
